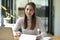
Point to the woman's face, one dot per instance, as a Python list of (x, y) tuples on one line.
[(29, 11)]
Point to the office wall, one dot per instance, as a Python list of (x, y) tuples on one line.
[(57, 18), (21, 3)]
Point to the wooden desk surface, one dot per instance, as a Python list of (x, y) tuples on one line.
[(54, 37), (16, 37)]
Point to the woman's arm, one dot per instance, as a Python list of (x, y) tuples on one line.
[(17, 27), (42, 29)]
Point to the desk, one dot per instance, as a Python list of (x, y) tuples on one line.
[(54, 37), (16, 37)]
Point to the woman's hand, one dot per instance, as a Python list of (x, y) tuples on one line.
[(39, 37), (18, 33)]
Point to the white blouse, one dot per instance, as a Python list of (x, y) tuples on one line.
[(39, 25)]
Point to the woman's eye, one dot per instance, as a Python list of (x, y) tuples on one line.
[(31, 10), (27, 9)]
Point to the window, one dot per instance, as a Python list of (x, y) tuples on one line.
[(0, 12), (8, 12)]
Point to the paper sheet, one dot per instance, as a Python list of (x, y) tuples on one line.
[(27, 37), (32, 37), (47, 38)]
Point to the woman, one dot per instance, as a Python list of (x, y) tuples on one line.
[(30, 22)]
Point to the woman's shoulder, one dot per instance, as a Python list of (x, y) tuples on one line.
[(38, 18), (20, 19)]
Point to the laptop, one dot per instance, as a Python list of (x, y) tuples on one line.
[(6, 33)]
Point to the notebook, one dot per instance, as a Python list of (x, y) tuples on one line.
[(27, 37), (6, 33)]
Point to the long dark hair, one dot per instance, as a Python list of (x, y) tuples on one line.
[(33, 19)]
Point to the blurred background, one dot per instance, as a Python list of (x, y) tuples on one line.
[(48, 10)]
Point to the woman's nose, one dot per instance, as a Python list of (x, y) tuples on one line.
[(28, 11)]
